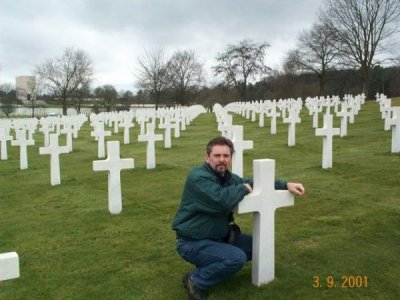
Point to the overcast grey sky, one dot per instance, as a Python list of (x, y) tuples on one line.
[(114, 33)]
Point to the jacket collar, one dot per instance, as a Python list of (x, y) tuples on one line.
[(222, 178)]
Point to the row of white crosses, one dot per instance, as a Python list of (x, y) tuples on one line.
[(272, 109), (290, 111), (172, 118), (71, 126), (9, 262), (114, 164), (235, 134), (49, 124), (391, 116), (21, 127)]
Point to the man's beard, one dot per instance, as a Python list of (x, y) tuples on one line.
[(221, 169)]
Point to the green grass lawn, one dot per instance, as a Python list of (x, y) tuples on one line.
[(71, 247)]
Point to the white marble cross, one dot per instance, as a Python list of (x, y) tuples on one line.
[(240, 145), (395, 124), (327, 132), (151, 140), (46, 128), (344, 114), (9, 265), (262, 202), (99, 133), (167, 126), (293, 119), (142, 119), (177, 127), (113, 164), (253, 113), (22, 142), (127, 124), (273, 114), (226, 126), (68, 130), (4, 137), (261, 116), (54, 150), (315, 108)]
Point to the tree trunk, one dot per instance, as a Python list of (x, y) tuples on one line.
[(64, 105), (322, 85), (365, 80)]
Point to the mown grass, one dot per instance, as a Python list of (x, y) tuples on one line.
[(70, 247)]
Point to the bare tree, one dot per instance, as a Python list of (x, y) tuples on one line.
[(241, 62), (362, 27), (152, 74), (80, 94), (185, 74), (109, 95), (316, 53), (65, 74), (7, 99)]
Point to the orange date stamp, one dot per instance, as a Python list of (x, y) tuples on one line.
[(347, 281)]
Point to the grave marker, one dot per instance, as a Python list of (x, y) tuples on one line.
[(113, 164), (262, 202), (273, 114), (395, 124), (4, 137), (292, 120), (151, 139), (99, 134), (54, 150), (344, 114), (22, 142), (9, 266), (327, 132), (167, 126)]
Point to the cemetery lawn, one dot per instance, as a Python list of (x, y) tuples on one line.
[(71, 247)]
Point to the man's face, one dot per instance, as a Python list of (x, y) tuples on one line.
[(219, 158)]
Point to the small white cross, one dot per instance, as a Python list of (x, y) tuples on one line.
[(4, 137), (327, 132), (22, 142), (151, 139), (293, 119), (99, 134)]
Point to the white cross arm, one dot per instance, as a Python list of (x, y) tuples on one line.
[(264, 196), (327, 132), (109, 165)]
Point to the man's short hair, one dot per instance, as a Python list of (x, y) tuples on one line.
[(220, 140)]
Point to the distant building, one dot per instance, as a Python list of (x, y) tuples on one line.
[(25, 88)]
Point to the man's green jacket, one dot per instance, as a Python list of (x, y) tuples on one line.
[(207, 202)]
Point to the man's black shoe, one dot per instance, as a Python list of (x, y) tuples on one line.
[(195, 293)]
